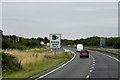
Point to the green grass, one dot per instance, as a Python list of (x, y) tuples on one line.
[(34, 69), (40, 50), (104, 51), (49, 62)]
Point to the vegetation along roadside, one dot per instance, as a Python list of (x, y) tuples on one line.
[(29, 62)]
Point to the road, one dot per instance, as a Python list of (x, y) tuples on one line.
[(96, 66)]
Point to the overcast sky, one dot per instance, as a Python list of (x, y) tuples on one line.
[(60, 0), (71, 19)]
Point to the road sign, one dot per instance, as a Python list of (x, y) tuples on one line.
[(55, 40), (102, 42)]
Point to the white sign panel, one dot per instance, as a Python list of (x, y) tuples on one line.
[(55, 40)]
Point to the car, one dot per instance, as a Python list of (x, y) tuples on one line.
[(84, 53), (79, 47)]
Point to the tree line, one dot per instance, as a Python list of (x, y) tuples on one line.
[(111, 42), (16, 42)]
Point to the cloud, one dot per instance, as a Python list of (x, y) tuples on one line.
[(72, 20)]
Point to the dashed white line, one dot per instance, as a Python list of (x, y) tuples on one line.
[(63, 66), (90, 70), (92, 66), (87, 76)]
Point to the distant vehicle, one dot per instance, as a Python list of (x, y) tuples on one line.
[(79, 47), (84, 53)]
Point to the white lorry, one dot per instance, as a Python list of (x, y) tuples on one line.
[(79, 47)]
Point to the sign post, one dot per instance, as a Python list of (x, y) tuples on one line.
[(55, 41), (102, 42)]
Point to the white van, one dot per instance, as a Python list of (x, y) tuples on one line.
[(79, 47)]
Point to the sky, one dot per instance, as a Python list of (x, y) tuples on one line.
[(71, 19), (60, 0)]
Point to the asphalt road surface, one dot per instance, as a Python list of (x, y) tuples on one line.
[(96, 66)]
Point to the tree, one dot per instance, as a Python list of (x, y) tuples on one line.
[(45, 40)]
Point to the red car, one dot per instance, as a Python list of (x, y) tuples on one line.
[(84, 53)]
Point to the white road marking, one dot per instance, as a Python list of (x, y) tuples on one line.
[(90, 70), (92, 66), (110, 57), (66, 50), (87, 76), (58, 67)]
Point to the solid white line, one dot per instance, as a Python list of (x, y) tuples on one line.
[(110, 56), (58, 67), (87, 76)]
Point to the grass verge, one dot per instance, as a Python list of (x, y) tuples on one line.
[(104, 51), (33, 63), (40, 50)]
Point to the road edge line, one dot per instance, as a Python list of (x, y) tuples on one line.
[(58, 67), (110, 56)]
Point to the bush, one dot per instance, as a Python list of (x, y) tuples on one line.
[(10, 63), (117, 44), (6, 44), (19, 47)]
